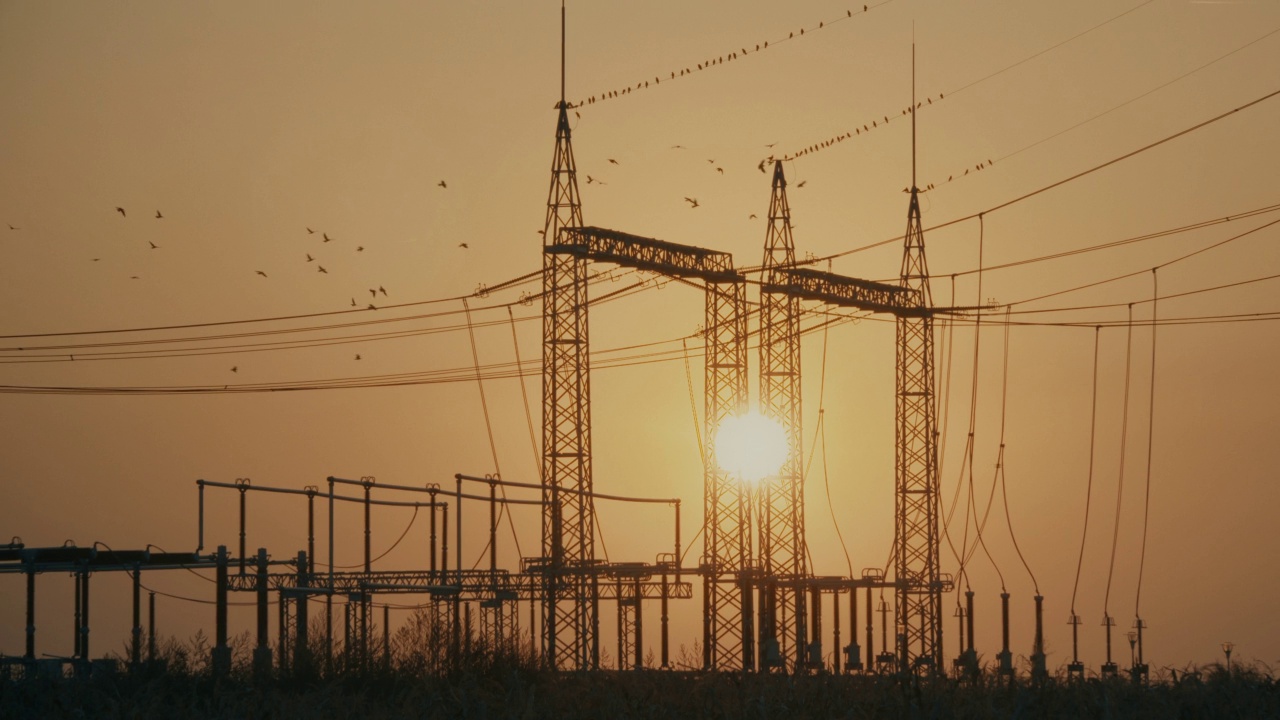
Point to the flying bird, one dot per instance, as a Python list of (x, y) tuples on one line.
[(235, 368), (326, 237), (760, 167), (720, 170), (260, 273), (134, 277), (353, 302), (771, 145), (359, 248), (613, 162), (442, 184), (321, 267), (357, 356), (159, 216), (310, 231), (373, 293), (153, 245), (309, 258), (96, 259), (14, 228), (752, 216), (121, 211), (802, 182), (590, 179), (712, 162), (464, 246), (693, 202), (382, 290), (679, 147)]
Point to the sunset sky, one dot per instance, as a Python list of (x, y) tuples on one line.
[(244, 124)]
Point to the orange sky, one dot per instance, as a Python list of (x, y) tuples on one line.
[(245, 123)]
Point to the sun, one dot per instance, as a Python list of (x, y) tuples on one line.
[(750, 446)]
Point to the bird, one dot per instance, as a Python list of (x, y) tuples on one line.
[(712, 162), (373, 293), (720, 170), (153, 245), (134, 277), (121, 211), (326, 272), (543, 233), (382, 290), (353, 302), (770, 145), (357, 356), (326, 237), (802, 182), (693, 202), (442, 184), (359, 248), (464, 246), (679, 147), (260, 273), (159, 216), (760, 167), (309, 258), (752, 216), (371, 307), (590, 179), (14, 228), (310, 231), (235, 368), (96, 259), (614, 162)]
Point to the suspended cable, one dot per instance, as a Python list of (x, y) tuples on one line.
[(693, 405), (1088, 493), (1151, 431), (386, 552), (822, 145), (488, 426), (524, 396), (822, 426), (718, 60), (1124, 432), (1000, 463)]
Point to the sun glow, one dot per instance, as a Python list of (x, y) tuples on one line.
[(750, 446)]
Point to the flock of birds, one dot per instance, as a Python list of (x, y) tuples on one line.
[(692, 201), (325, 238)]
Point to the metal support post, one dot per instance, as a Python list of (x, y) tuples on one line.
[(135, 646), (262, 651), (30, 655), (221, 658), (1005, 657), (151, 629)]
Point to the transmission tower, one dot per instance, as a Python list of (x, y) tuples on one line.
[(727, 632), (570, 615), (782, 545), (919, 606)]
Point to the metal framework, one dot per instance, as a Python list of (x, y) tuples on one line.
[(569, 619), (783, 633), (725, 565)]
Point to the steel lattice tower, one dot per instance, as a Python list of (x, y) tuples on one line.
[(782, 543), (919, 594), (569, 620), (727, 641)]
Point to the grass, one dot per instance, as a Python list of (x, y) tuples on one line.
[(417, 683)]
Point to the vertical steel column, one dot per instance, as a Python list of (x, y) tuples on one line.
[(568, 519), (871, 633), (1038, 670), (75, 627), (666, 665), (30, 654), (835, 631), (301, 634), (1005, 657), (919, 594), (242, 484), (84, 615), (432, 494), (221, 653), (135, 645), (386, 635), (782, 546), (262, 652), (727, 641), (151, 628), (813, 650), (639, 625)]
